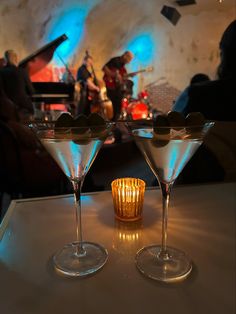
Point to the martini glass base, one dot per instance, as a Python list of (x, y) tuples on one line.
[(68, 262), (172, 269)]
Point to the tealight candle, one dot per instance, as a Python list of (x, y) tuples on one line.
[(128, 195)]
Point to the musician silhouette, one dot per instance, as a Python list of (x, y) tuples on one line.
[(17, 85), (87, 86), (116, 82)]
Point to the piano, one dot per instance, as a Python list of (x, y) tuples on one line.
[(48, 92)]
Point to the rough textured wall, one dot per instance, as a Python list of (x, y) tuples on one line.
[(179, 51)]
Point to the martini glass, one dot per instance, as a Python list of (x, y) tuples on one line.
[(74, 149), (166, 150)]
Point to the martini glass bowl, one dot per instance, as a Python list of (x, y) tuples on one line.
[(74, 149), (166, 150)]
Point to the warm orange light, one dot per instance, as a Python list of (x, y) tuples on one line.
[(128, 195)]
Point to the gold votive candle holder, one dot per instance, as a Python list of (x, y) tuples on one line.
[(128, 196)]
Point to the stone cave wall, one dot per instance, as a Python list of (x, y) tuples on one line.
[(108, 25)]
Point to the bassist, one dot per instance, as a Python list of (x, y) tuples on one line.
[(85, 76)]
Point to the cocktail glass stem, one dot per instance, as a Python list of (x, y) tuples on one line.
[(167, 150), (74, 149), (165, 189), (77, 186)]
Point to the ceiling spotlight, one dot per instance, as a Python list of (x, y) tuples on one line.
[(185, 2)]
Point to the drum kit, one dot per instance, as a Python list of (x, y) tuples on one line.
[(136, 108), (131, 108)]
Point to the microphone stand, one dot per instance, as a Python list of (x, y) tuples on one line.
[(67, 69)]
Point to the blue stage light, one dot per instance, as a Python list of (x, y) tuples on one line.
[(142, 46), (70, 23)]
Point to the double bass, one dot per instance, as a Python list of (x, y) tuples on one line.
[(100, 102)]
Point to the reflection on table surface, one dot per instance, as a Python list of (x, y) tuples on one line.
[(201, 223)]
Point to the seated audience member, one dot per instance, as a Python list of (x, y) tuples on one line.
[(38, 174), (2, 62), (217, 99), (17, 85), (25, 167), (8, 110), (182, 100)]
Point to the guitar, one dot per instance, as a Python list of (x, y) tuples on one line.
[(121, 75)]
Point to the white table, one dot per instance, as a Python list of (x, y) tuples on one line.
[(201, 222)]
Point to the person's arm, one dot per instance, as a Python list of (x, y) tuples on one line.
[(112, 74), (111, 69), (181, 102), (28, 84), (8, 110), (108, 71), (25, 136), (91, 85), (192, 104), (84, 76)]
